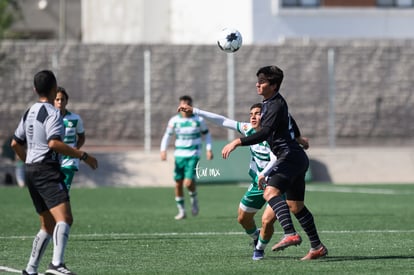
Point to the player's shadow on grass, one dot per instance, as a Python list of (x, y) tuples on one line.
[(365, 258), (110, 171)]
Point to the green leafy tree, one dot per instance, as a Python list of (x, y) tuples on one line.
[(9, 12)]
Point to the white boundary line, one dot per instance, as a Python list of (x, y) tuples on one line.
[(166, 234), (12, 270), (359, 190)]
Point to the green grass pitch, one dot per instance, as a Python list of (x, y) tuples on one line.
[(368, 229)]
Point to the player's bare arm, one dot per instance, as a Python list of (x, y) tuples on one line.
[(64, 149), (209, 154), (163, 155), (230, 147), (304, 141), (19, 149), (81, 140)]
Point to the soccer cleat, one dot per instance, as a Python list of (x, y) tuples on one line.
[(58, 270), (258, 254), (24, 272), (180, 216), (194, 209), (287, 241), (314, 254)]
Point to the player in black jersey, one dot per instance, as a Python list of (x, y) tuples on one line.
[(288, 173), (41, 130)]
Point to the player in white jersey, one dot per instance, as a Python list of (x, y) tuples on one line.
[(188, 130), (261, 161), (74, 135), (41, 131)]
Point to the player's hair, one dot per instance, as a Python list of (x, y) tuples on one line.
[(273, 74), (187, 98), (63, 91), (44, 81), (256, 105)]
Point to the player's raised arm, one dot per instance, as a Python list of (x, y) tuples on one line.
[(217, 119)]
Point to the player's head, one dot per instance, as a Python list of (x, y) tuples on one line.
[(185, 99), (269, 80), (255, 115), (45, 84), (61, 99)]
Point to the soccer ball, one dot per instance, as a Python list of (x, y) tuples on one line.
[(229, 40)]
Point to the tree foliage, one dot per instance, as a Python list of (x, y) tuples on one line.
[(9, 12)]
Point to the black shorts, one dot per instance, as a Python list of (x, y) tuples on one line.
[(288, 175), (46, 185)]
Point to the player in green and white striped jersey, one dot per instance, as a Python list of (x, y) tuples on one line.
[(188, 130), (74, 135), (261, 162)]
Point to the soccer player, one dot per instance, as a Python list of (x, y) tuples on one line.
[(41, 129), (188, 130), (74, 135), (288, 173), (261, 161)]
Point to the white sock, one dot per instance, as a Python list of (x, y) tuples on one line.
[(180, 204), (261, 245), (40, 243), (60, 239)]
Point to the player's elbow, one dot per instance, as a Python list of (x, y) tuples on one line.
[(53, 144)]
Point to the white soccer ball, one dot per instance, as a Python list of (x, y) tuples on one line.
[(229, 40)]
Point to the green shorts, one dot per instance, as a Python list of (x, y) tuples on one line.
[(185, 167), (252, 201)]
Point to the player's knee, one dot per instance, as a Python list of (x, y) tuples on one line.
[(295, 207), (241, 219)]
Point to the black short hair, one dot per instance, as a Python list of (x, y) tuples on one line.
[(63, 91), (44, 82), (273, 74), (256, 105), (187, 98)]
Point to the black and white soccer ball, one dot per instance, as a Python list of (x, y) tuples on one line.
[(230, 40)]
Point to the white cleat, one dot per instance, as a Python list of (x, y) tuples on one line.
[(180, 216)]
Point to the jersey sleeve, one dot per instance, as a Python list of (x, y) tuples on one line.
[(54, 126), (20, 133), (294, 127), (269, 166), (169, 131), (216, 119), (204, 131), (243, 127)]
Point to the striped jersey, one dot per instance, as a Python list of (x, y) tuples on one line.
[(188, 133), (73, 126), (260, 153), (40, 124), (261, 157)]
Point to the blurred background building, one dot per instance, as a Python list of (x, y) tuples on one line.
[(197, 22)]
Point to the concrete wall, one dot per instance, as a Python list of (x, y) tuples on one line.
[(338, 166), (373, 79)]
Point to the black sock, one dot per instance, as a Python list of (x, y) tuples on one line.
[(281, 210), (305, 219)]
